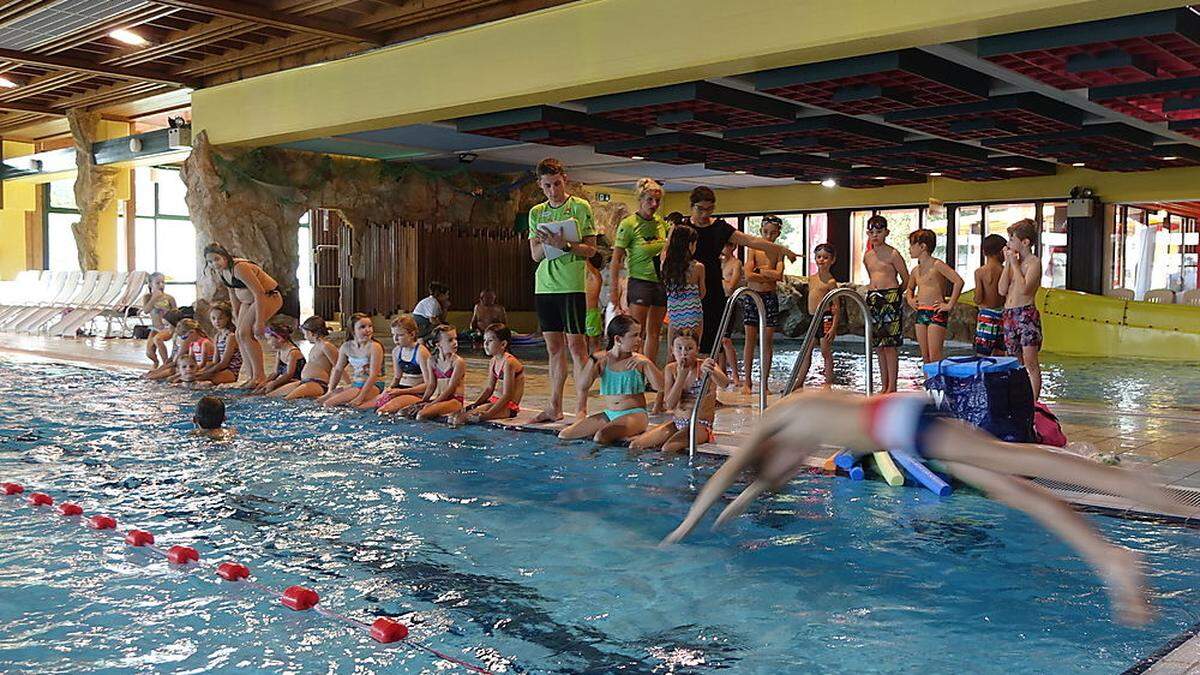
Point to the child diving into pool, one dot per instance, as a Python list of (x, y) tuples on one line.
[(505, 371), (318, 365), (819, 285), (623, 374), (803, 425), (228, 362), (363, 355), (289, 360), (926, 293), (450, 372), (684, 377), (414, 374)]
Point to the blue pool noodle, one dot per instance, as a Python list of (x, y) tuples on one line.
[(922, 474), (844, 460), (856, 472)]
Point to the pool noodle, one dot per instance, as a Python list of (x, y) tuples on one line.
[(887, 468), (922, 474), (856, 473), (844, 460)]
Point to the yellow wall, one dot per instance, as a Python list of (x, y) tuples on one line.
[(594, 47), (1160, 185), (18, 199)]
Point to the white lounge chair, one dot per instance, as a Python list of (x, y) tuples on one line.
[(1191, 297), (83, 289), (130, 300), (1164, 296), (120, 295), (1120, 293), (27, 290), (56, 293), (101, 299)]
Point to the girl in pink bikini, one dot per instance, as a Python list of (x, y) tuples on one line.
[(505, 371), (450, 371)]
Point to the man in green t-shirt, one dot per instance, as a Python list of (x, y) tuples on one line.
[(561, 279)]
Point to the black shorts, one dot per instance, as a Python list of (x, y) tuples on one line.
[(646, 293), (562, 312), (750, 310)]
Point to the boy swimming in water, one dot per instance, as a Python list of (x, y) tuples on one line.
[(210, 419)]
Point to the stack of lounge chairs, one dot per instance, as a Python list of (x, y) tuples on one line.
[(69, 303)]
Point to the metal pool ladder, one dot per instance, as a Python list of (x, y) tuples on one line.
[(762, 350), (811, 336)]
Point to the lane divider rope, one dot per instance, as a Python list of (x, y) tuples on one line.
[(297, 598)]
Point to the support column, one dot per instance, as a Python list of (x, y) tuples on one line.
[(95, 191), (1085, 252)]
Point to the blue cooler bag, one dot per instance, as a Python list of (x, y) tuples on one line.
[(993, 393)]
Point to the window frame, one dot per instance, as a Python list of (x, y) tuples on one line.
[(47, 209), (156, 217)]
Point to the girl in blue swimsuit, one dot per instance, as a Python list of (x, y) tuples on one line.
[(414, 374), (363, 355), (623, 373)]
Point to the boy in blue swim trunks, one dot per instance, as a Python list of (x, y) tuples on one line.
[(926, 293), (989, 332)]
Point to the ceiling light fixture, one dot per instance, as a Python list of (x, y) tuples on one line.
[(7, 83), (1012, 168), (829, 182), (740, 172), (881, 177), (1077, 164), (1170, 157), (814, 182), (636, 157), (128, 37), (935, 173)]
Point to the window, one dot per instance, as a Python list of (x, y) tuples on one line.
[(968, 242), (61, 252), (164, 237), (1191, 249), (1000, 216), (304, 267), (1053, 245), (1152, 249), (818, 233)]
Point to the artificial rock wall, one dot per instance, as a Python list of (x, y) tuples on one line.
[(95, 187), (251, 200)]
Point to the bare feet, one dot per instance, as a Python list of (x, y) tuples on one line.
[(746, 390), (546, 416)]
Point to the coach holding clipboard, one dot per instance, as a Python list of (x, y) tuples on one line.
[(561, 237)]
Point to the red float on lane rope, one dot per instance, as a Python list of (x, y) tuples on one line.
[(182, 555), (40, 499), (69, 509), (12, 488), (138, 538), (102, 523), (300, 598), (387, 631), (231, 571)]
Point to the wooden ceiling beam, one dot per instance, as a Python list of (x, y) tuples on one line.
[(14, 106), (245, 11), (87, 66)]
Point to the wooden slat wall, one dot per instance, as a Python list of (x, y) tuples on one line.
[(399, 260)]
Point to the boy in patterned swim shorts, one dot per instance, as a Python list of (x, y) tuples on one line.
[(1019, 283), (926, 293), (885, 298)]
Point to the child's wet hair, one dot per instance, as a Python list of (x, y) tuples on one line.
[(826, 248), (406, 323), (687, 334), (280, 327), (354, 319), (441, 329), (925, 238), (619, 327), (993, 245), (210, 413), (223, 309), (500, 331), (316, 326), (185, 326), (679, 254)]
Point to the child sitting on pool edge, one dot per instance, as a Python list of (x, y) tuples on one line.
[(504, 370), (289, 360), (623, 373), (450, 372), (684, 377), (414, 374), (210, 419)]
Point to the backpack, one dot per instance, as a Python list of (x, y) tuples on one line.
[(1046, 429)]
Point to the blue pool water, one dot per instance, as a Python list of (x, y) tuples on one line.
[(512, 550)]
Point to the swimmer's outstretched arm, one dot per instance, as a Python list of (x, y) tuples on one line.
[(800, 424)]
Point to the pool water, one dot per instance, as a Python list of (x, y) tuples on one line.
[(1130, 385), (512, 550)]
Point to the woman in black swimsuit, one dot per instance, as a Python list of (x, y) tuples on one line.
[(254, 297)]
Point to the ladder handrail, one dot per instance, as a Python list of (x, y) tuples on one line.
[(811, 336), (762, 350)]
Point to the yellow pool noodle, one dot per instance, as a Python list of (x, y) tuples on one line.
[(887, 468)]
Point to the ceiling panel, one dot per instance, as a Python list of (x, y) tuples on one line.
[(1008, 115), (692, 106), (823, 133), (549, 125), (679, 147)]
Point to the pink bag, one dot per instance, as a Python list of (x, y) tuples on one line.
[(1046, 428)]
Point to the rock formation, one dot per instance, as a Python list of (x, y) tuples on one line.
[(95, 187)]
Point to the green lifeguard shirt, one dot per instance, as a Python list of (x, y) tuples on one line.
[(642, 240), (564, 274)]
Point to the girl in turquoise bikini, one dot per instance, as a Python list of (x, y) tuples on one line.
[(623, 374)]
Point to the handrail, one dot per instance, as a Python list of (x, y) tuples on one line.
[(762, 350), (811, 336)]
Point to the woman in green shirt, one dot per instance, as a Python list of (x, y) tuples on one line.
[(640, 239)]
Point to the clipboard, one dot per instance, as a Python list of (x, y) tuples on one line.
[(569, 230)]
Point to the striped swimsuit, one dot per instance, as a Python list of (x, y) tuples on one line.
[(684, 308)]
